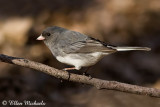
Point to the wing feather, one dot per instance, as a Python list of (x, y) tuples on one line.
[(83, 44)]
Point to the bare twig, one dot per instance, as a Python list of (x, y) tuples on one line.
[(98, 83)]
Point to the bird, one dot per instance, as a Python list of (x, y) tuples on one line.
[(77, 49)]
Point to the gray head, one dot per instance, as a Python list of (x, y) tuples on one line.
[(51, 34)]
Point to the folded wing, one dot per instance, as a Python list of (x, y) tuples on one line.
[(79, 43)]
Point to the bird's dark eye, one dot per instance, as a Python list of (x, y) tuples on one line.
[(48, 34)]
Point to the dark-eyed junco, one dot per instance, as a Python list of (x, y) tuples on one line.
[(76, 49)]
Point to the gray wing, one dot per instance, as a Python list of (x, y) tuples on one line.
[(75, 42)]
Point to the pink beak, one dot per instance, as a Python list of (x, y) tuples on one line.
[(41, 38)]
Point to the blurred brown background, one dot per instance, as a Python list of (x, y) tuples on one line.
[(127, 22)]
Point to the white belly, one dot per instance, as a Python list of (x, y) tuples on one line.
[(80, 60)]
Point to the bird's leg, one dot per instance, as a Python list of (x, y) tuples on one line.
[(86, 74), (67, 69)]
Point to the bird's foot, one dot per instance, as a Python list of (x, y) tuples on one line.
[(88, 75)]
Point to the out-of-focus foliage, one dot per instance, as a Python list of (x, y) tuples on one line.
[(127, 22)]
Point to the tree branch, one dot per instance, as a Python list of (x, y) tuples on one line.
[(98, 83)]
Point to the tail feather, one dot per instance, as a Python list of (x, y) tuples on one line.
[(131, 48)]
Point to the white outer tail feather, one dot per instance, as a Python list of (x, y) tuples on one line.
[(132, 48)]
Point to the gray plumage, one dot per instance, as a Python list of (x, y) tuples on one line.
[(79, 50)]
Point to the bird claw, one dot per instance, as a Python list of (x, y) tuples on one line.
[(88, 75), (64, 69)]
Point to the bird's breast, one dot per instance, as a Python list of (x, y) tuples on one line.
[(80, 60)]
